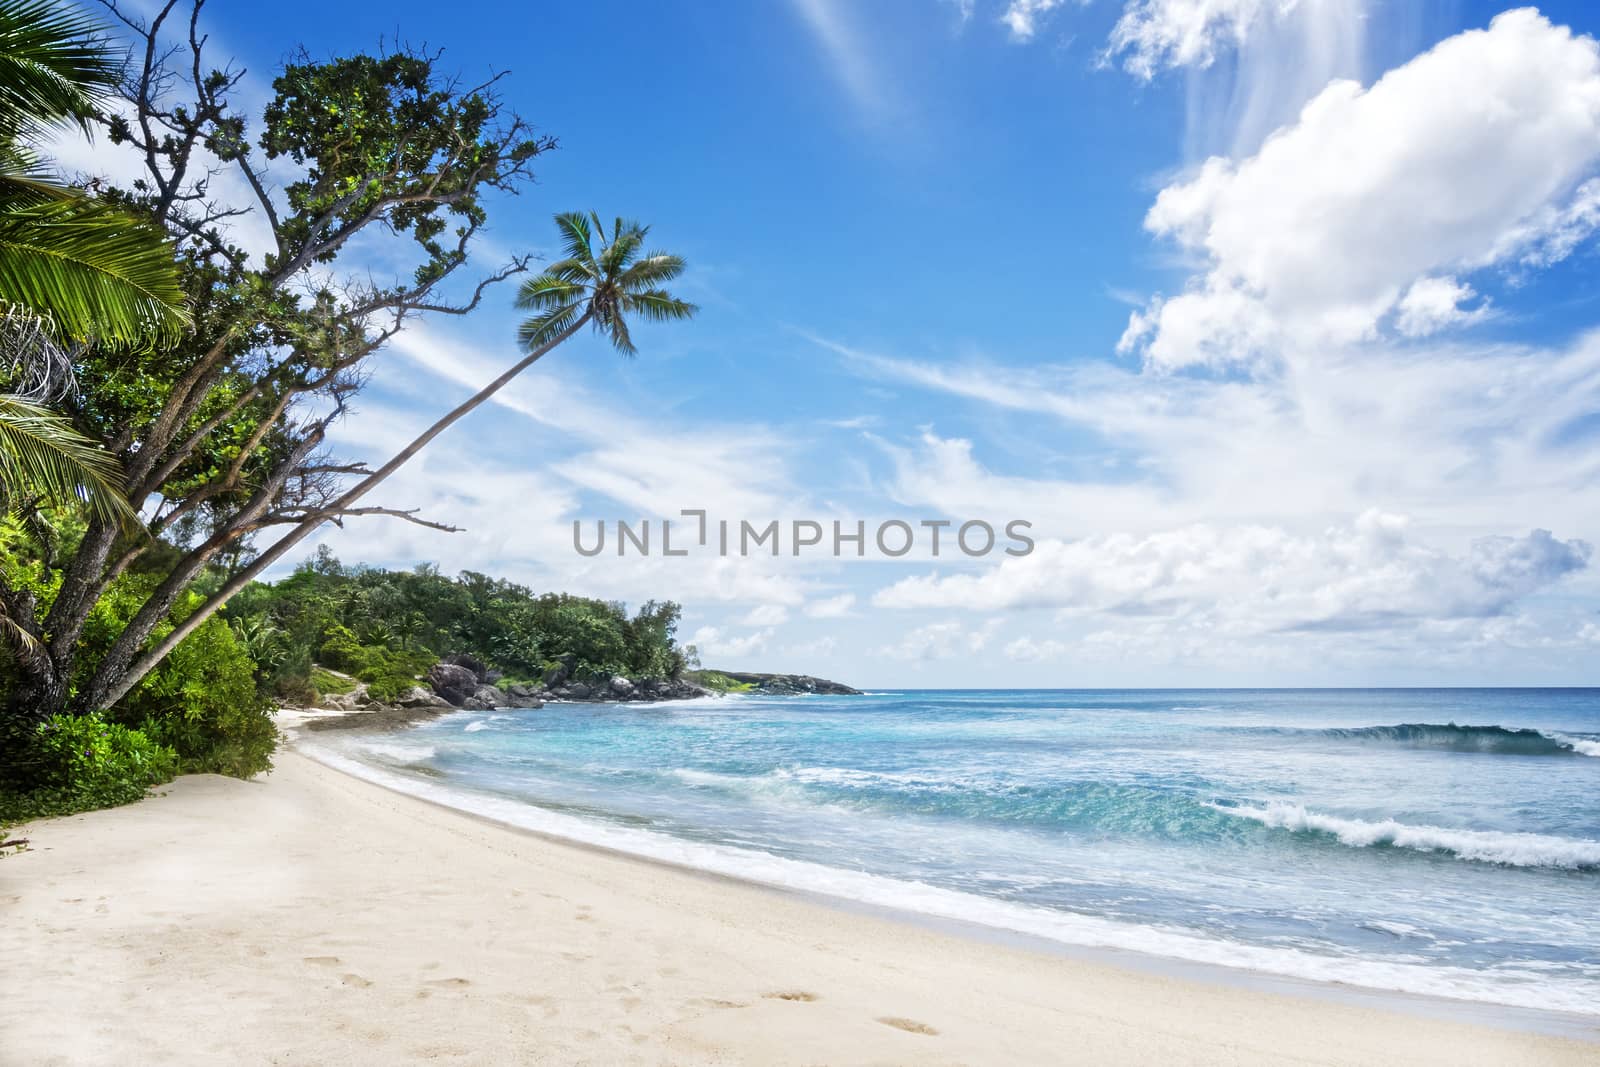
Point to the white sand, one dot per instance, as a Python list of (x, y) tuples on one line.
[(313, 918)]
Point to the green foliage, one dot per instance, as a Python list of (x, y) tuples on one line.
[(325, 681), (202, 700), (401, 130), (79, 763), (718, 682), (388, 627)]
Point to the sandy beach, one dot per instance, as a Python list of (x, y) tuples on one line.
[(311, 917)]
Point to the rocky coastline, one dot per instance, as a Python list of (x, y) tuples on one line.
[(464, 683)]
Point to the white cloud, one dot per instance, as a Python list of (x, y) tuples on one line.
[(1022, 16), (832, 23), (1371, 574), (1320, 234), (766, 615), (1431, 304), (1461, 438), (1155, 34), (712, 641), (940, 640), (832, 607), (1027, 650), (820, 649), (1152, 34)]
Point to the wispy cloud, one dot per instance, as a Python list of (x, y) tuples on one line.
[(833, 25)]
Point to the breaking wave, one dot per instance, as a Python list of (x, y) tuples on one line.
[(1450, 737), (1484, 846)]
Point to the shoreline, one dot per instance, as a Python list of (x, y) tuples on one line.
[(312, 916), (1245, 976)]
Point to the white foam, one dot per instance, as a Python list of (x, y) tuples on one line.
[(1486, 846), (1510, 985), (1577, 744), (474, 727)]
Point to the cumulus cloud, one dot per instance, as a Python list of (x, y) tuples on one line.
[(1022, 16), (766, 615), (714, 641), (940, 640), (1027, 650), (1431, 304), (1370, 574), (832, 607), (1152, 34), (1320, 234)]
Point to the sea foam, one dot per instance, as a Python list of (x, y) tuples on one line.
[(1510, 985), (1486, 846)]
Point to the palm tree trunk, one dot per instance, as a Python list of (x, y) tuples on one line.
[(107, 691)]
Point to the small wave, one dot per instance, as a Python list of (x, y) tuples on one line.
[(1521, 985), (1485, 846), (1449, 736)]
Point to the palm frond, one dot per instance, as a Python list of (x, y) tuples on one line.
[(540, 329), (605, 286), (658, 305), (42, 455), (623, 247), (548, 290), (617, 328), (95, 271), (652, 270), (53, 66), (576, 236)]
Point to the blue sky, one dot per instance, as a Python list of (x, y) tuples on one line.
[(1290, 397)]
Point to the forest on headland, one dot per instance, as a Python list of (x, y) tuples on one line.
[(174, 349)]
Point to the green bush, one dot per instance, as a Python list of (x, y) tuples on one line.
[(718, 682), (79, 763), (342, 651), (325, 681), (202, 701)]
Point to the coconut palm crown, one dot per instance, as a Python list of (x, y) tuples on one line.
[(602, 286)]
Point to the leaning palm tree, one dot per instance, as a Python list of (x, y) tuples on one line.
[(593, 286), (601, 282), (73, 269)]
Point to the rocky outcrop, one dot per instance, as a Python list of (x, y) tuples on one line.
[(485, 698), (418, 697), (791, 684), (619, 689), (521, 695), (453, 682), (464, 682)]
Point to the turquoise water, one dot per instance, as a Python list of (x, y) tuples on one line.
[(1343, 835)]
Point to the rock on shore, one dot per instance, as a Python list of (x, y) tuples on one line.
[(791, 684), (464, 683)]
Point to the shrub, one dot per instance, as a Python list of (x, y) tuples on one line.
[(202, 701), (79, 763), (718, 682), (325, 681), (341, 651)]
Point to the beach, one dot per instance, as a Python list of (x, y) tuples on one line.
[(308, 916)]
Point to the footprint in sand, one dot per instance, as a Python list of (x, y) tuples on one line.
[(910, 1026), (321, 961), (790, 994), (714, 1002), (355, 980), (452, 983)]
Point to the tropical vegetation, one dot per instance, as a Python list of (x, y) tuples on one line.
[(181, 357)]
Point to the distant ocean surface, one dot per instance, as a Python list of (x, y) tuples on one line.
[(1436, 841)]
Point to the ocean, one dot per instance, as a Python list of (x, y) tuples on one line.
[(1442, 842)]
